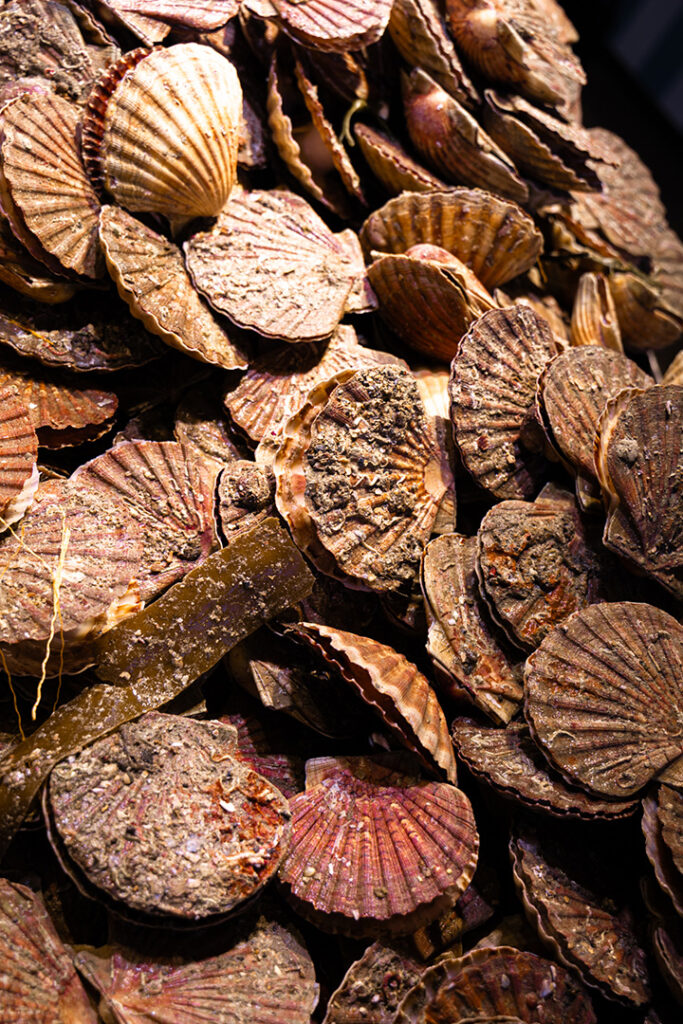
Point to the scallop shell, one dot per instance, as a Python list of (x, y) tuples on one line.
[(670, 813), (668, 949), (171, 490), (151, 278), (373, 986), (337, 25), (246, 494), (646, 320), (148, 30), (18, 454), (509, 761), (204, 15), (40, 984), (492, 388), (639, 457), (268, 743), (491, 236), (25, 275), (391, 165), (496, 981), (594, 316), (393, 687), (199, 421), (461, 641), (454, 143), (659, 854), (360, 478), (46, 182), (604, 696), (162, 135), (362, 835), (579, 925), (265, 977), (273, 265), (176, 784)]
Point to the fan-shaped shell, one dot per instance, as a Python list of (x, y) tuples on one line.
[(148, 30), (271, 264), (44, 177), (646, 319), (391, 165), (151, 278), (373, 986), (265, 977), (604, 696), (494, 237), (362, 838), (25, 275), (461, 642), (594, 316), (492, 388), (18, 454), (337, 25), (39, 981), (162, 135), (204, 15)]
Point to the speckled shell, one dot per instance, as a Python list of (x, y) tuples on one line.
[(391, 165), (461, 641), (494, 237), (39, 981), (265, 977), (18, 454), (44, 183), (151, 278), (454, 143), (639, 461), (246, 496), (492, 388), (271, 264), (594, 316), (337, 25), (361, 835), (578, 923), (393, 687), (199, 421), (496, 981), (509, 761), (373, 986), (604, 696), (659, 854), (163, 137), (362, 460)]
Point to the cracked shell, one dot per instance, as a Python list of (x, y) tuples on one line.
[(18, 455)]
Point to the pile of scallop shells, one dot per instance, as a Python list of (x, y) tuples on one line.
[(341, 522)]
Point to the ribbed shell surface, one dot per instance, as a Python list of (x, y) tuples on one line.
[(18, 450)]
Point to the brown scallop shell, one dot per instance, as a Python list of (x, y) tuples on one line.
[(670, 812), (461, 642), (246, 497), (39, 982), (199, 421), (18, 454), (509, 761), (45, 181), (373, 986), (204, 15), (594, 316), (21, 272), (454, 143), (659, 854), (148, 30), (393, 687), (392, 166), (494, 237), (151, 278), (639, 459), (360, 478), (674, 371), (496, 981), (265, 976), (161, 135), (171, 491), (337, 25), (271, 264), (492, 388), (174, 782), (373, 849), (565, 898), (604, 696), (667, 945), (646, 319)]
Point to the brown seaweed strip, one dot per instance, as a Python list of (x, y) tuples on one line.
[(220, 602)]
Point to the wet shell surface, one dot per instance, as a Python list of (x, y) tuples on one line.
[(373, 986), (162, 135), (151, 278), (361, 476), (175, 783), (492, 389), (462, 642), (509, 761), (18, 454), (39, 982), (395, 169), (495, 238), (337, 25), (271, 264), (266, 977), (362, 836), (604, 696)]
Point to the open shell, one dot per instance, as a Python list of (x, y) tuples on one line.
[(18, 454), (373, 986), (604, 696), (391, 165), (337, 25)]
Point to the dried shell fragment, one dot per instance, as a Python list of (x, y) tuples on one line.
[(492, 388), (461, 641), (266, 977), (361, 476), (494, 237), (362, 838), (391, 165), (151, 278), (509, 761), (594, 316), (175, 784), (580, 926), (337, 25), (271, 264), (604, 696), (18, 454), (161, 134), (39, 981), (373, 986)]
